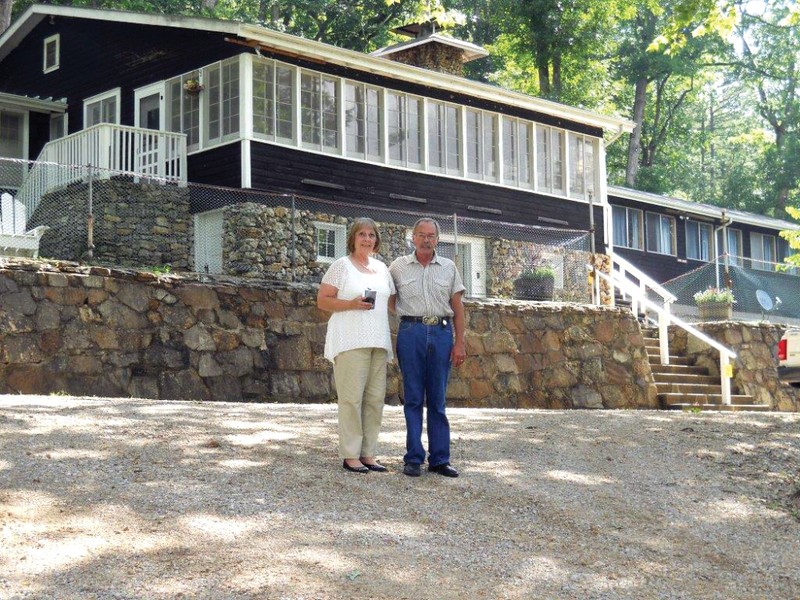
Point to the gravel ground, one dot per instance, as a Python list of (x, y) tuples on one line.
[(139, 499)]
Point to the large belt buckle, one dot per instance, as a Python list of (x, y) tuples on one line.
[(430, 320)]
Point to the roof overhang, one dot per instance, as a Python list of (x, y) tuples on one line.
[(284, 43), (34, 104), (36, 13), (702, 210), (294, 46)]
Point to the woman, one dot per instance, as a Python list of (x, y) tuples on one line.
[(358, 343)]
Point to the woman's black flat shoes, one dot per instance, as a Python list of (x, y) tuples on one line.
[(377, 468), (361, 469)]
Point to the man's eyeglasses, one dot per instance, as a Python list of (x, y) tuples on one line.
[(425, 236)]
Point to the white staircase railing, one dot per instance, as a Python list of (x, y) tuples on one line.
[(108, 150), (665, 318)]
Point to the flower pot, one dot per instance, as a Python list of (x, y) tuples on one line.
[(715, 311), (534, 288)]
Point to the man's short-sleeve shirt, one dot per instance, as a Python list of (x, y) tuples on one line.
[(425, 291)]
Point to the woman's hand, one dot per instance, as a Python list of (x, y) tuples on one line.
[(327, 300)]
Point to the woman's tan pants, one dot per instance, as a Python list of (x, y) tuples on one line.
[(360, 376)]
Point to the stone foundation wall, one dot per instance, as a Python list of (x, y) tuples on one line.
[(96, 331), (258, 243), (755, 369), (135, 224)]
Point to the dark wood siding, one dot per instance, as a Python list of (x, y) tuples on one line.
[(280, 169), (97, 56), (663, 268), (39, 129), (217, 166)]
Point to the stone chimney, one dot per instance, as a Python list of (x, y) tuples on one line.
[(430, 49)]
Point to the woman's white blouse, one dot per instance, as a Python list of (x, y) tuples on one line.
[(351, 329)]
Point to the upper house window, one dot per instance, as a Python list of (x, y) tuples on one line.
[(52, 53)]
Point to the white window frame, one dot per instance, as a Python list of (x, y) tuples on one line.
[(582, 153), (371, 121), (660, 239), (189, 105), (400, 123), (699, 225), (543, 161), (733, 259), (321, 128), (448, 145), (114, 94), (481, 150), (550, 159), (275, 109), (339, 231), (58, 121), (56, 64), (758, 260), (229, 122), (630, 213)]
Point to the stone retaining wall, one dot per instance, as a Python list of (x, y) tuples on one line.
[(97, 331), (755, 369), (136, 224)]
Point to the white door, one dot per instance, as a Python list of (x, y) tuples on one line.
[(208, 227), (149, 115), (470, 261)]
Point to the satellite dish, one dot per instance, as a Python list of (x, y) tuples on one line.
[(765, 301)]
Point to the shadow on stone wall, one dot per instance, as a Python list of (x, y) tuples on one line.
[(103, 332)]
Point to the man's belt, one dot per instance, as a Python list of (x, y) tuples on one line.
[(427, 320)]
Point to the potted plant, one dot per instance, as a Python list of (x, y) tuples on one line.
[(715, 303), (535, 284), (193, 86)]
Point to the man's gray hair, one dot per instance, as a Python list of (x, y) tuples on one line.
[(427, 220)]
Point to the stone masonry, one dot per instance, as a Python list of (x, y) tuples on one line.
[(116, 332), (755, 366)]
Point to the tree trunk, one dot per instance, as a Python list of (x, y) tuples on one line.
[(635, 142), (5, 14)]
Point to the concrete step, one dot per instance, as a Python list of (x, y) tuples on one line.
[(655, 359), (691, 399), (720, 407), (678, 369), (689, 378), (688, 388)]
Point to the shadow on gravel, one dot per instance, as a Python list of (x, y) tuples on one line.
[(144, 499)]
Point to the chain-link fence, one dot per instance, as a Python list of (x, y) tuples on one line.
[(761, 289), (121, 219)]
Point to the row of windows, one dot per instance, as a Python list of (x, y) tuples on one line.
[(328, 114), (629, 232)]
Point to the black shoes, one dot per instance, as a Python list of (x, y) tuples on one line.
[(412, 470), (361, 469), (376, 467), (444, 469)]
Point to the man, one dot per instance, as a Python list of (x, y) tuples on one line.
[(428, 302)]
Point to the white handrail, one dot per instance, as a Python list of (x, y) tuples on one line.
[(110, 150), (645, 282), (665, 318)]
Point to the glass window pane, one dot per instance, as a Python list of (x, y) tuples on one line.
[(284, 115)]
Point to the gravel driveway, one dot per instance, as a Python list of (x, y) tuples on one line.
[(139, 499)]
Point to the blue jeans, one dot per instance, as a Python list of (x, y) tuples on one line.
[(423, 352)]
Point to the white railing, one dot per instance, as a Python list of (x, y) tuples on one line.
[(665, 319), (632, 278), (107, 150)]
